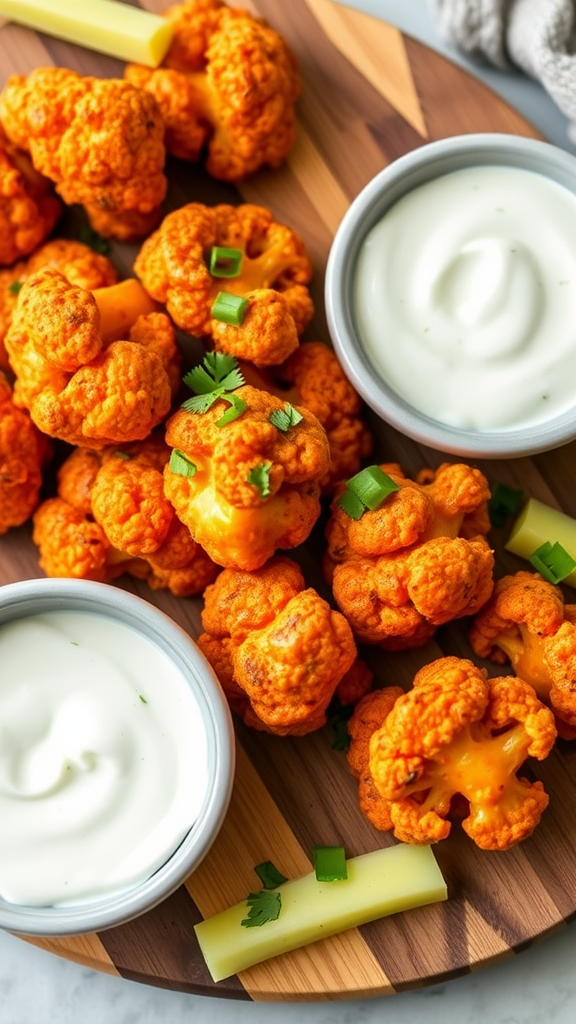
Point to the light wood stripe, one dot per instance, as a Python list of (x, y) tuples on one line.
[(377, 50), (82, 949), (254, 831)]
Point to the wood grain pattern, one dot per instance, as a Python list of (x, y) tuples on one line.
[(370, 94)]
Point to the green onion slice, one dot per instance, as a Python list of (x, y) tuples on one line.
[(351, 505), (230, 309), (330, 863), (504, 502), (15, 287), (263, 907), (371, 486), (237, 407), (225, 262), (181, 464), (553, 562), (269, 875)]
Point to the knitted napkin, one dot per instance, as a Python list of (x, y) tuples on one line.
[(538, 36)]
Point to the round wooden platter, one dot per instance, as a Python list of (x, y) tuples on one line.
[(370, 94)]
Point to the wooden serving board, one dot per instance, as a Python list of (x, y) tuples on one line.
[(370, 94)]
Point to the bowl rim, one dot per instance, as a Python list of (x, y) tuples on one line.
[(31, 597), (429, 161)]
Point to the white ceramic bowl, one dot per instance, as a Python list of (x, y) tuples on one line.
[(408, 172), (38, 596)]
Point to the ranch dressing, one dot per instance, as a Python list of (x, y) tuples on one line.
[(465, 298), (103, 758)]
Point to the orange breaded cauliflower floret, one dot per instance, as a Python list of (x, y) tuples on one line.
[(77, 384), (416, 562), (23, 452), (229, 84), (173, 265), (253, 487), (78, 262), (99, 140), (278, 648), (455, 736), (319, 383), (111, 517), (28, 210), (526, 622)]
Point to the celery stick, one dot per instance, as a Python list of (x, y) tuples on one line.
[(380, 883), (538, 523)]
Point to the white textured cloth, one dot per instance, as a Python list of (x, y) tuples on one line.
[(538, 36)]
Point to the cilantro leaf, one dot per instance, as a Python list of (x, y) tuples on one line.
[(218, 374), (264, 907), (260, 477), (201, 403), (15, 287), (285, 418)]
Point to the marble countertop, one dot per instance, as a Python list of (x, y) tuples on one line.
[(540, 983)]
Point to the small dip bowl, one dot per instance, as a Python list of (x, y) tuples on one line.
[(19, 601), (409, 172)]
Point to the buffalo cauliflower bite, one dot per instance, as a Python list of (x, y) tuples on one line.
[(313, 377), (77, 387), (111, 517), (28, 210), (253, 488), (79, 264), (527, 623), (278, 648), (173, 265), (23, 453), (229, 85), (455, 736), (99, 140), (417, 561)]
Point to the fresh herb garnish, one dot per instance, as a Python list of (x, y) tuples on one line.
[(230, 309), (143, 699), (330, 863), (366, 490), (503, 502), (218, 374), (264, 907), (553, 562), (269, 875), (237, 407), (181, 464), (15, 287), (225, 262), (122, 455), (338, 717), (285, 418), (92, 239), (260, 477)]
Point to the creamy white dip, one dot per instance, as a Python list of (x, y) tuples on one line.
[(465, 298), (103, 758)]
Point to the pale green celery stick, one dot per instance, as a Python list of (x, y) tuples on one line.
[(104, 25), (538, 523), (380, 883)]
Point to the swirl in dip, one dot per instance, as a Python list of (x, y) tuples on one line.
[(103, 758), (464, 296)]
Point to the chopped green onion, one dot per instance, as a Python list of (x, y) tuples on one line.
[(285, 418), (338, 716), (371, 486), (15, 287), (230, 309), (237, 407), (92, 239), (264, 907), (143, 699), (553, 562), (504, 502), (260, 477), (351, 505), (269, 875), (366, 490), (122, 455), (181, 464), (225, 262), (330, 863)]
